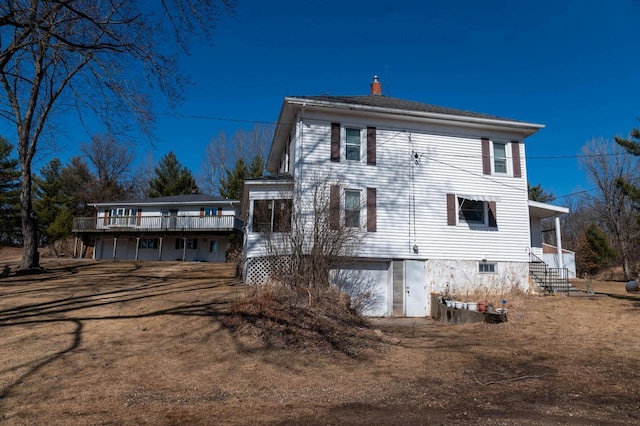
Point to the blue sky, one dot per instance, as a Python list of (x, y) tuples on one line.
[(571, 65)]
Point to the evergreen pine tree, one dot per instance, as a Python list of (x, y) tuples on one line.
[(171, 178), (595, 250), (9, 195), (632, 146), (231, 184), (48, 201), (537, 193)]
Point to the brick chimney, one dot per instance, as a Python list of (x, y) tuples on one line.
[(376, 87)]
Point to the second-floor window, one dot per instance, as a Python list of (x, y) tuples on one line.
[(213, 211), (122, 217), (352, 144), (347, 143), (499, 157)]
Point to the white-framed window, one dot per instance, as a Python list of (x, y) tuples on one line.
[(271, 215), (213, 211), (486, 268), (472, 211), (123, 217), (213, 246), (352, 208), (500, 157), (353, 143)]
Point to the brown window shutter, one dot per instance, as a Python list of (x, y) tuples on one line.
[(201, 211), (335, 142), (451, 209), (334, 207), (371, 146), (486, 157), (139, 218), (493, 222), (219, 211), (372, 219), (515, 152), (106, 217)]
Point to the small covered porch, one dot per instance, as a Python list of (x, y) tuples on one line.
[(550, 267)]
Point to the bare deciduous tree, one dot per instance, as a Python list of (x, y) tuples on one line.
[(605, 164), (86, 54), (222, 153), (112, 161), (305, 236)]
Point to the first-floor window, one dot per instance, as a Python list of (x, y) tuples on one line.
[(487, 268), (192, 243), (272, 215), (213, 246), (352, 144), (471, 211), (148, 243), (352, 209)]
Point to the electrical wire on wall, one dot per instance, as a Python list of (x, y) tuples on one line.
[(412, 198)]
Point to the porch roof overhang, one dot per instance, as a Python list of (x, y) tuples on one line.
[(544, 210), (283, 181), (171, 201)]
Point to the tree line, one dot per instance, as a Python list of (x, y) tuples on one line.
[(105, 172), (603, 225)]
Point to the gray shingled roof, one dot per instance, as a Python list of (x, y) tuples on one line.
[(379, 101), (272, 178), (193, 198)]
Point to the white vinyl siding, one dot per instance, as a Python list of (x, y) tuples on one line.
[(411, 194)]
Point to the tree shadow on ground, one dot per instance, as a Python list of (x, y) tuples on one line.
[(80, 303)]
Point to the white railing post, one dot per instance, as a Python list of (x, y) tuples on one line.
[(559, 243)]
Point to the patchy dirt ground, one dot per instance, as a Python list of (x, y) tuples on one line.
[(145, 343)]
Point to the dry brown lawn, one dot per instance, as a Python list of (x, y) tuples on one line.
[(146, 343)]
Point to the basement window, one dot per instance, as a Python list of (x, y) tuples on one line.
[(486, 268)]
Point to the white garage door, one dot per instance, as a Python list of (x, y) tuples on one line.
[(369, 285)]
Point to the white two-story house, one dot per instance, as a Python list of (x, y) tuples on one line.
[(194, 227), (440, 194)]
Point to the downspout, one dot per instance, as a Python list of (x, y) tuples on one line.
[(559, 244), (300, 134)]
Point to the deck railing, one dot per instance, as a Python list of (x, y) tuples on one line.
[(137, 224)]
